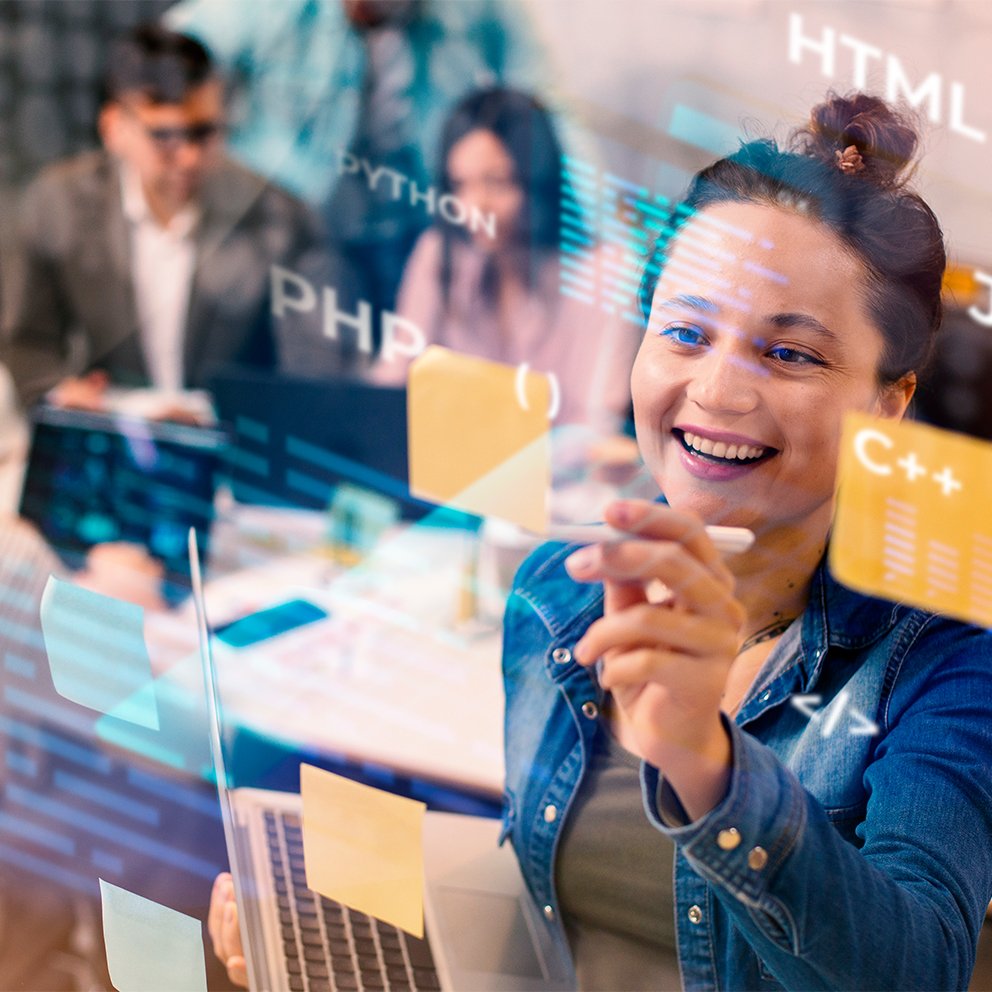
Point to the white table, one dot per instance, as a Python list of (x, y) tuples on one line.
[(391, 677)]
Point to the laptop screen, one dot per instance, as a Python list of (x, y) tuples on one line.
[(93, 478), (294, 440)]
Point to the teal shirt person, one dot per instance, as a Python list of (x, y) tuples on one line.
[(298, 68), (343, 102)]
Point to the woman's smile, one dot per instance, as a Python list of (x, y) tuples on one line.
[(718, 455)]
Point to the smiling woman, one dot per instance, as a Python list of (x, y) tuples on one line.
[(771, 367), (677, 818)]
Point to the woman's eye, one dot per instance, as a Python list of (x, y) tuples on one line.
[(792, 356), (684, 334)]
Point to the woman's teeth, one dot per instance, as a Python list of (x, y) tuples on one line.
[(719, 449)]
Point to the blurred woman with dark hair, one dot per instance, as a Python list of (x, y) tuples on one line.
[(492, 288)]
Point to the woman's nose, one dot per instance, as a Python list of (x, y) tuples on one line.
[(726, 381)]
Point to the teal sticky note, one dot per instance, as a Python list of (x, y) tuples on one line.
[(96, 652), (183, 740), (150, 948)]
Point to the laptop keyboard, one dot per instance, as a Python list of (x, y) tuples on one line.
[(329, 946)]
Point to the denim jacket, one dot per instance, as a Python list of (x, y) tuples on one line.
[(840, 857)]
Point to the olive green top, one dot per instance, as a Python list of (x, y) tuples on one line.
[(614, 875)]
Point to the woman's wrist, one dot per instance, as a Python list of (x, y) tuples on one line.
[(700, 776)]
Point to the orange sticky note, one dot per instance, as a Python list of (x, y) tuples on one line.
[(912, 521), (479, 436), (364, 847)]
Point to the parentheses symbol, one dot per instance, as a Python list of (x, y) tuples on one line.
[(555, 405), (521, 391)]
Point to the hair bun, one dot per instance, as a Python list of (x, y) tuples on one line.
[(884, 139)]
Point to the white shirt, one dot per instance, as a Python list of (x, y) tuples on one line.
[(162, 263)]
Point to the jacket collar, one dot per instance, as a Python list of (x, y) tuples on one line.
[(837, 616)]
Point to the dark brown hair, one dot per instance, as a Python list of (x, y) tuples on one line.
[(159, 64), (886, 225)]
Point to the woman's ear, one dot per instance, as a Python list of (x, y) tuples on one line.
[(893, 399)]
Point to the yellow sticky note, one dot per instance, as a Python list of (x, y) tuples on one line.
[(364, 847), (479, 436), (912, 521)]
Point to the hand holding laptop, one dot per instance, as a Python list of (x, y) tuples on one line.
[(222, 924)]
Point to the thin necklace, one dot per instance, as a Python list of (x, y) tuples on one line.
[(766, 634)]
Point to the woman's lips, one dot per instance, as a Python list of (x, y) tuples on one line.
[(712, 464)]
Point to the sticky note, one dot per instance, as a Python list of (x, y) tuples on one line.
[(479, 436), (96, 652), (364, 847), (150, 948), (912, 521)]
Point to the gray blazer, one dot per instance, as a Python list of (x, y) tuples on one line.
[(69, 303)]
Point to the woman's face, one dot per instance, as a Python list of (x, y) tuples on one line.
[(483, 177), (757, 346)]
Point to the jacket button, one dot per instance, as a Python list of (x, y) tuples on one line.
[(765, 696), (561, 656), (695, 914), (757, 858), (590, 709), (549, 913), (550, 813), (728, 839)]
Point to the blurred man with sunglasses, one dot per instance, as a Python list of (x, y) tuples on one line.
[(147, 263)]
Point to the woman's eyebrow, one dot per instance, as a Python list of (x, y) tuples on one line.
[(684, 301), (784, 320)]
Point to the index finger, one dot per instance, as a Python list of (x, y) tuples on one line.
[(660, 522)]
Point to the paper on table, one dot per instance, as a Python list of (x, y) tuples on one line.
[(364, 847), (912, 521), (96, 651), (479, 436), (150, 948)]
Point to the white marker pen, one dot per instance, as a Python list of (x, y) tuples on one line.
[(728, 540)]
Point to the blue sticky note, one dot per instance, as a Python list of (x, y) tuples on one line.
[(97, 654), (150, 948)]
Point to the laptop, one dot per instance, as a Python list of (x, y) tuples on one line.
[(483, 931), (93, 478), (294, 440)]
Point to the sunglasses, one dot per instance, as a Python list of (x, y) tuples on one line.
[(171, 138)]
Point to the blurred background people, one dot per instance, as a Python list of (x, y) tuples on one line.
[(343, 102), (495, 291), (147, 263)]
